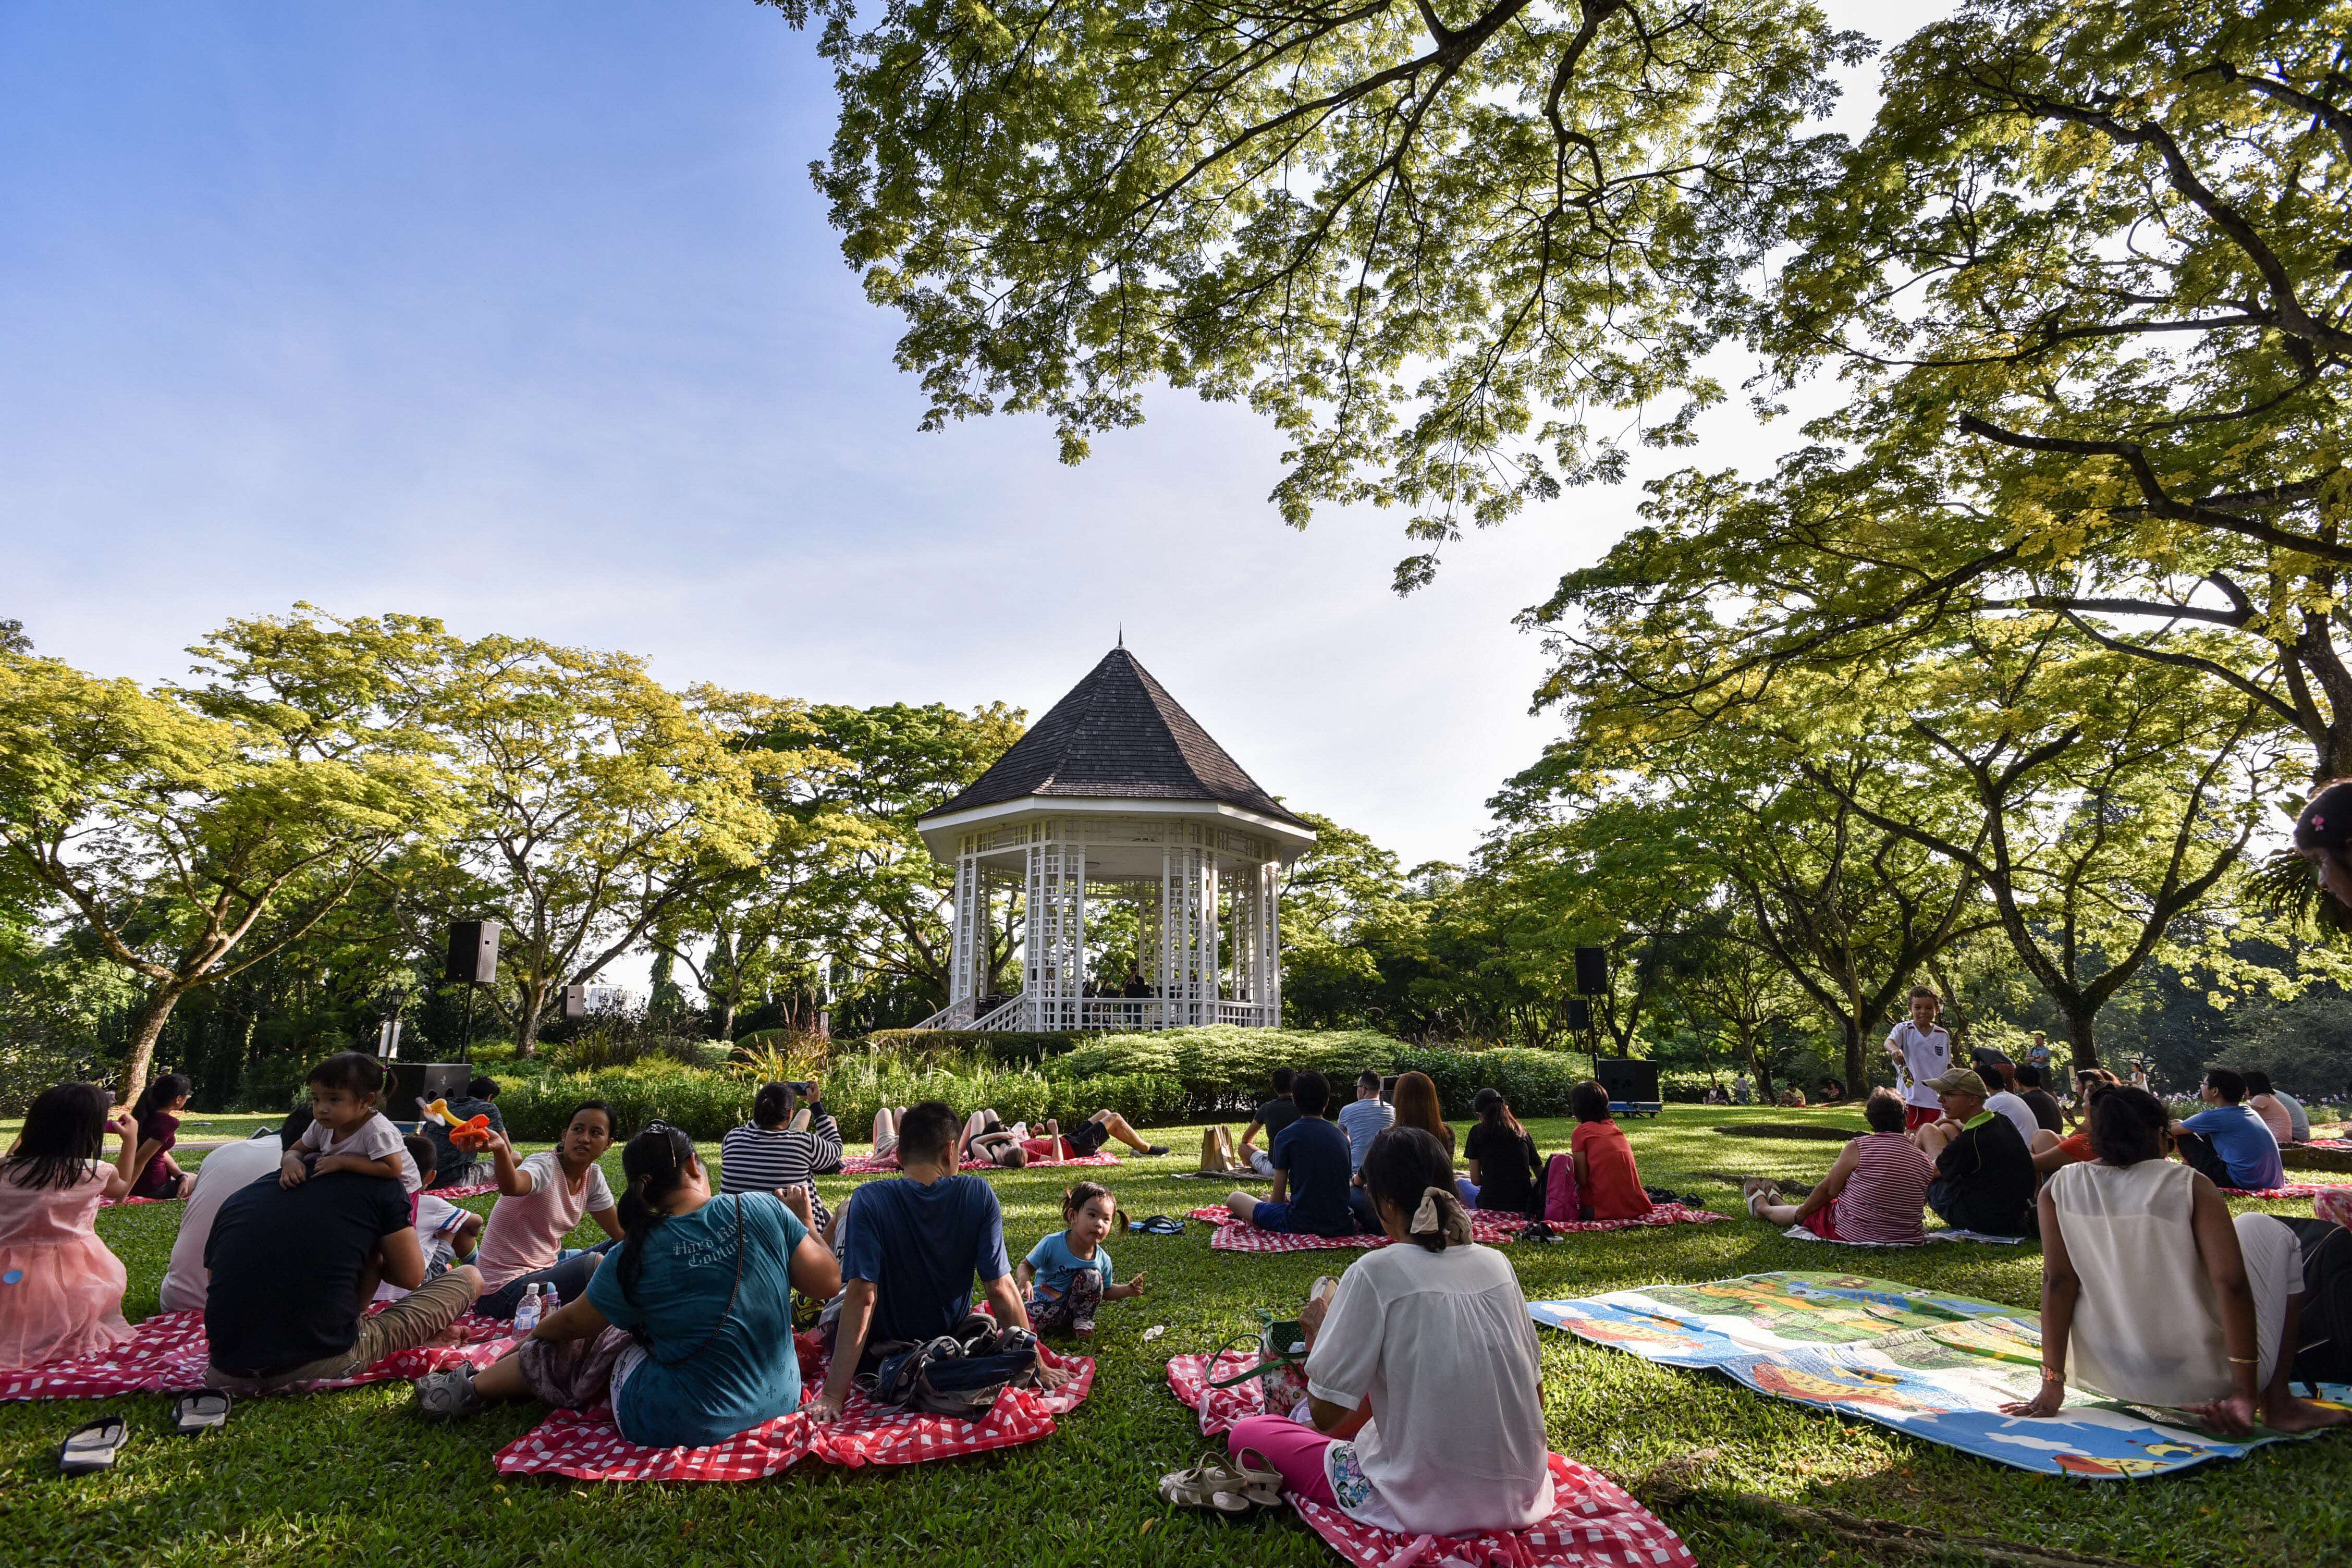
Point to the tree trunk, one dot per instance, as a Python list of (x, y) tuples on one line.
[(145, 1031), (2079, 1033), (726, 1021), (531, 1007), (1856, 1071)]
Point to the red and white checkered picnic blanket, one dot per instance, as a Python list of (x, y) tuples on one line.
[(452, 1194), (1487, 1226), (1596, 1524), (586, 1446), (887, 1165), (166, 1354), (2298, 1190)]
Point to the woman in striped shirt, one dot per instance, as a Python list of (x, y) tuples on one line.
[(779, 1148), (1878, 1191)]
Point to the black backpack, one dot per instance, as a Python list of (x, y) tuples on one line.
[(961, 1373), (2325, 1327)]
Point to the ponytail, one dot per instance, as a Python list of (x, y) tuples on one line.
[(655, 1163), (1496, 1112), (1409, 1170)]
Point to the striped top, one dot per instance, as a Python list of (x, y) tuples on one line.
[(754, 1159), (1884, 1199)]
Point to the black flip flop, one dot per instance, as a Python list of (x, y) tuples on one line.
[(199, 1411), (92, 1446), (1157, 1224), (1538, 1232)]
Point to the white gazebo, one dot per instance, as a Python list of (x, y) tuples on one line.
[(1117, 793)]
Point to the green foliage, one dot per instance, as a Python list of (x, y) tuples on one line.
[(1432, 253), (2305, 1045)]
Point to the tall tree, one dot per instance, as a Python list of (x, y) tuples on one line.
[(1443, 248), (2085, 284), (871, 896), (2097, 798), (599, 802), (198, 831)]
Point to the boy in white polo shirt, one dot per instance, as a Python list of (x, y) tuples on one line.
[(1922, 1050)]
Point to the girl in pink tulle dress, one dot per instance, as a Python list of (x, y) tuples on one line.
[(61, 1288)]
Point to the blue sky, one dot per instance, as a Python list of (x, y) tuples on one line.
[(527, 316)]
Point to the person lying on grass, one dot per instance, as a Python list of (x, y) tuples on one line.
[(686, 1328), (1423, 1382), (2154, 1295), (910, 1246), (1314, 1191), (1608, 1184), (291, 1270), (1068, 1275), (1984, 1176), (540, 1201), (986, 1138), (63, 1285), (1875, 1192)]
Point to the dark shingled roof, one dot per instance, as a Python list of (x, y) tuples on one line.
[(1118, 736)]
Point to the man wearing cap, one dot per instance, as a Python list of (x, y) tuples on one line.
[(1984, 1173)]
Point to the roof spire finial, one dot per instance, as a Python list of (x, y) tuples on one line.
[(1122, 634)]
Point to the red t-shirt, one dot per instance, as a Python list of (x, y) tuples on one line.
[(1611, 1185)]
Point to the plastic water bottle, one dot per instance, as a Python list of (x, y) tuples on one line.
[(526, 1316)]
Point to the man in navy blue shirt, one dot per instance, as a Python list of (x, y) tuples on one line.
[(910, 1248), (1312, 1195)]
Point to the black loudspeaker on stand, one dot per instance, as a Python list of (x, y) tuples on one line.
[(473, 960), (1592, 971)]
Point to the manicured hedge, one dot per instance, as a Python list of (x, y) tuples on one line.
[(998, 1045), (1155, 1079)]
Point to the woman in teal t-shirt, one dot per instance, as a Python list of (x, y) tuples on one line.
[(686, 1327)]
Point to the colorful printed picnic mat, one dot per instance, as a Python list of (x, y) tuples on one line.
[(1934, 1365)]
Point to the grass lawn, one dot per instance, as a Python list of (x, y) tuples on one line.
[(351, 1478)]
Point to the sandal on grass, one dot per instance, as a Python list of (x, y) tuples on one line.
[(1157, 1224), (1225, 1484), (92, 1446), (199, 1411)]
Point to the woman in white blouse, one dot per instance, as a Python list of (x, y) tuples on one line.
[(1424, 1407), (2155, 1296)]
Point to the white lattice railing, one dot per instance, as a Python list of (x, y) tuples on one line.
[(955, 1016), (1115, 1012), (1007, 1016)]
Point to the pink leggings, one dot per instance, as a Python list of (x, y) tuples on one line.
[(1296, 1450)]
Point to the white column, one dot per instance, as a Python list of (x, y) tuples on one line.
[(1054, 940), (1268, 945), (1188, 925), (968, 951)]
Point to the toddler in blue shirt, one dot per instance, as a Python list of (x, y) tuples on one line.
[(1067, 1276)]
